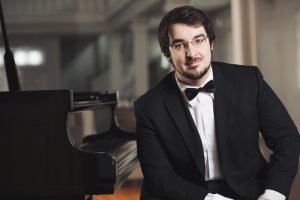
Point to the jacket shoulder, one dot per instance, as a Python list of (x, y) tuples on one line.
[(235, 71), (233, 67)]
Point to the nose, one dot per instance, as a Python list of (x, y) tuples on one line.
[(190, 50)]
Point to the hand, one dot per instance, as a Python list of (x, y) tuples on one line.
[(216, 196), (271, 195)]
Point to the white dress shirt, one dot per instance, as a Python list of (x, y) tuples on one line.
[(202, 111)]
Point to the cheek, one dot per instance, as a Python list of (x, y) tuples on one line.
[(177, 60), (208, 52), (208, 55)]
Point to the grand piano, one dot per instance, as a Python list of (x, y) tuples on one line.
[(60, 145)]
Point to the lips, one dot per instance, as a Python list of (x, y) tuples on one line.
[(193, 62)]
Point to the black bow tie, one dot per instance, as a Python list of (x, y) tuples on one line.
[(191, 93)]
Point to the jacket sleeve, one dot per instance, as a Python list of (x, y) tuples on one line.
[(281, 136), (159, 178)]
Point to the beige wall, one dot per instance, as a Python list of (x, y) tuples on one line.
[(277, 50)]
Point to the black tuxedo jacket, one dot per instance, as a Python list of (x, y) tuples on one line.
[(170, 149)]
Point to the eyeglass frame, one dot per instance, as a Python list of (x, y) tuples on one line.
[(185, 43)]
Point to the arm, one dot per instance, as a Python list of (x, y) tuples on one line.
[(159, 176), (281, 136)]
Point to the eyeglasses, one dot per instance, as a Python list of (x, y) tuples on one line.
[(182, 46)]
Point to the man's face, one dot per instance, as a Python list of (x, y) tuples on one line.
[(191, 60)]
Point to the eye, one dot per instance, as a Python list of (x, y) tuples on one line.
[(199, 40), (178, 46)]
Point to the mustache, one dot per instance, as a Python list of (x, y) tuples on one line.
[(190, 60)]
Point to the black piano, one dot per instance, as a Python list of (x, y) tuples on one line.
[(60, 145)]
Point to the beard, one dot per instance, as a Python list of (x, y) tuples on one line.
[(194, 76)]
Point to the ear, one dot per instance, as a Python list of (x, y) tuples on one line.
[(168, 57), (170, 60)]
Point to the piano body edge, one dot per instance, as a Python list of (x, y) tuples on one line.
[(38, 160)]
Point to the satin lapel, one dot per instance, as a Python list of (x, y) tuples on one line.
[(223, 107), (180, 114)]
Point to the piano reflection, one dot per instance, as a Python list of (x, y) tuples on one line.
[(60, 145)]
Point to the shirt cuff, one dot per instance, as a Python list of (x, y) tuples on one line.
[(211, 196), (272, 194)]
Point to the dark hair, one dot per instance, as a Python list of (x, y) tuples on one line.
[(186, 15)]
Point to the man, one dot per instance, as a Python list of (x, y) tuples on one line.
[(198, 129)]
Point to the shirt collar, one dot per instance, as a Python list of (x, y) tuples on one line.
[(183, 86)]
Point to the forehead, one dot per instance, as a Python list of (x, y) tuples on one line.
[(185, 32)]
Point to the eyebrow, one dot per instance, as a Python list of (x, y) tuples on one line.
[(181, 40)]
